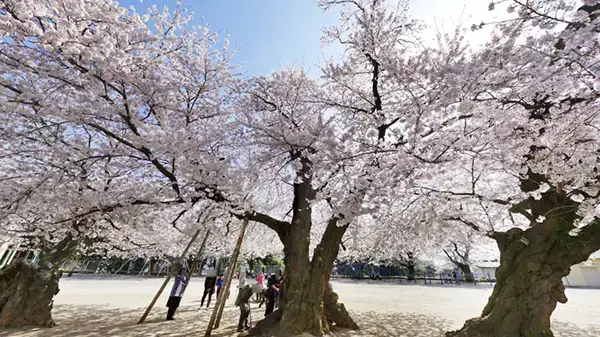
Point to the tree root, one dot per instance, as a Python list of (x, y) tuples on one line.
[(335, 316), (269, 326), (335, 312)]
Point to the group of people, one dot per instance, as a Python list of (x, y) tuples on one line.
[(270, 294), (180, 283), (210, 282)]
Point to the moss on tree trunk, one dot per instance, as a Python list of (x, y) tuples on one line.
[(532, 265), (26, 295), (27, 291), (528, 287), (307, 304)]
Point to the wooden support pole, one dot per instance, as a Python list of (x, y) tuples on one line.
[(167, 279), (215, 318), (193, 268), (144, 267)]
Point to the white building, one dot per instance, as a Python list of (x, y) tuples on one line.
[(585, 274), (485, 269)]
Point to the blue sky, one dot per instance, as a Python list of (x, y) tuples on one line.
[(270, 34)]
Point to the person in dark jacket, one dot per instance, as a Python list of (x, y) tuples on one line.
[(242, 301), (271, 293), (209, 287), (176, 293), (279, 290)]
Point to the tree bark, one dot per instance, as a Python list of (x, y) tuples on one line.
[(336, 312), (26, 295), (466, 270), (532, 265), (27, 291), (301, 308), (307, 303), (411, 272), (529, 278), (410, 263), (152, 266)]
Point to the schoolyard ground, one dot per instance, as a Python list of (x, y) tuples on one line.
[(111, 306)]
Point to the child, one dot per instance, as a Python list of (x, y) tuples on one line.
[(220, 283), (259, 285), (176, 293)]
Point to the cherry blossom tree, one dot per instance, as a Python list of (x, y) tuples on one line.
[(348, 145), (459, 254), (99, 110), (108, 115), (537, 159)]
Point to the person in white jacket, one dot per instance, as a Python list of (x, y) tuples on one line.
[(242, 280)]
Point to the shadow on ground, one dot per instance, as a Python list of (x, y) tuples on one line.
[(419, 325), (97, 321), (564, 329), (396, 324)]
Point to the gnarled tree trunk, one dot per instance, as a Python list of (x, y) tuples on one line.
[(336, 312), (301, 308), (532, 265), (308, 304), (26, 295), (27, 291)]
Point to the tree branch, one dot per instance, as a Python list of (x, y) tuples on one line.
[(471, 225)]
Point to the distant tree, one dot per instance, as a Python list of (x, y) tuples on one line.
[(459, 255)]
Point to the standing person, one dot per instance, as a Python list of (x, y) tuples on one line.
[(176, 293), (279, 289), (260, 278), (220, 283), (242, 280), (271, 293), (209, 286), (242, 301)]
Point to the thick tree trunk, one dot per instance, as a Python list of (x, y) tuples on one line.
[(411, 272), (27, 291), (466, 270), (301, 303), (301, 308), (308, 305), (26, 295), (532, 265), (528, 286)]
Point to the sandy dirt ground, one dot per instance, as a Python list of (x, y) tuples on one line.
[(100, 306)]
